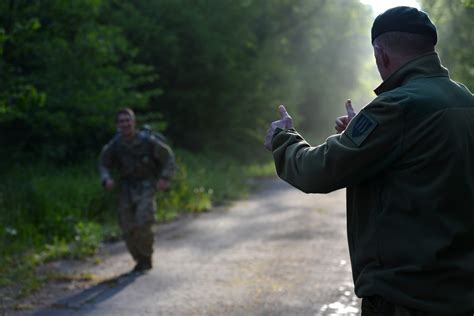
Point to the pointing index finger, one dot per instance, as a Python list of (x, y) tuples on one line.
[(283, 112)]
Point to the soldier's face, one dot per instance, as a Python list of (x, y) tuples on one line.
[(126, 125)]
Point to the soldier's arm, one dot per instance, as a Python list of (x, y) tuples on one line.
[(164, 154), (371, 142), (106, 163)]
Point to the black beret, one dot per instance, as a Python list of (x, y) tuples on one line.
[(404, 19)]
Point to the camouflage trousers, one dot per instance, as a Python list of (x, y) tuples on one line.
[(377, 306), (136, 215)]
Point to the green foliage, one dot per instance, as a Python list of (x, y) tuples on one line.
[(181, 197), (455, 24), (221, 88), (261, 170), (204, 180), (64, 75), (87, 239), (327, 50), (56, 250), (18, 271), (210, 72), (39, 203)]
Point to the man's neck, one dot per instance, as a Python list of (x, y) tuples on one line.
[(129, 137), (400, 61)]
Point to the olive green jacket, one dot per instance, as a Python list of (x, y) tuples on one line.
[(407, 161), (143, 158)]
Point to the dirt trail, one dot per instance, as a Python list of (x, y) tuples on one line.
[(280, 252)]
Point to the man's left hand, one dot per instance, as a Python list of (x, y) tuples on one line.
[(284, 122), (343, 121)]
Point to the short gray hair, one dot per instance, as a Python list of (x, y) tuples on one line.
[(405, 44)]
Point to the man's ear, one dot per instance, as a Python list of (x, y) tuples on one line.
[(385, 59), (381, 56)]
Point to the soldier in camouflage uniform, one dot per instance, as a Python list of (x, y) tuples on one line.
[(145, 165)]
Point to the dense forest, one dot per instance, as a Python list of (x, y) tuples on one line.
[(455, 22), (209, 74)]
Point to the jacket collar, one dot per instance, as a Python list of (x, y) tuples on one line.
[(426, 65)]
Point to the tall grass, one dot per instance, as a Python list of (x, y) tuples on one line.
[(207, 179), (40, 203)]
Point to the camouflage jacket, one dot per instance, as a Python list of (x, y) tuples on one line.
[(143, 158)]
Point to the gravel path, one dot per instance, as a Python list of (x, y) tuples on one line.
[(280, 252)]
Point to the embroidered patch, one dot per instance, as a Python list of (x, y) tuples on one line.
[(361, 128)]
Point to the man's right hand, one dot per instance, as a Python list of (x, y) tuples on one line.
[(343, 121), (109, 184)]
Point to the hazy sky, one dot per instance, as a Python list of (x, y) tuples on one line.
[(380, 6)]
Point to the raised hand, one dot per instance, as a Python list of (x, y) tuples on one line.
[(284, 122), (343, 121)]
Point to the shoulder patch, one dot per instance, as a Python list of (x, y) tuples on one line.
[(361, 128)]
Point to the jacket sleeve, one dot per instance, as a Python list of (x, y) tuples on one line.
[(371, 142), (106, 162), (165, 156)]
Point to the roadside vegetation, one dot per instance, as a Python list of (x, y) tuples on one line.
[(65, 213)]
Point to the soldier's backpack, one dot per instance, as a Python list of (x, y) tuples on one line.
[(146, 132)]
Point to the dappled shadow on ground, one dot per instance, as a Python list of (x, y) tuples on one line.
[(94, 295), (265, 217)]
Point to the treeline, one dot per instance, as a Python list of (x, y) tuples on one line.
[(455, 23), (208, 72)]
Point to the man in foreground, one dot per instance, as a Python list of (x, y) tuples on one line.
[(145, 165), (407, 161)]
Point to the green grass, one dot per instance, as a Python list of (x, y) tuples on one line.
[(47, 213)]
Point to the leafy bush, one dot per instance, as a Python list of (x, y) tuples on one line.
[(41, 203), (204, 180), (87, 239)]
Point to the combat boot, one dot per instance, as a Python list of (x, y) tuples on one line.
[(143, 264)]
